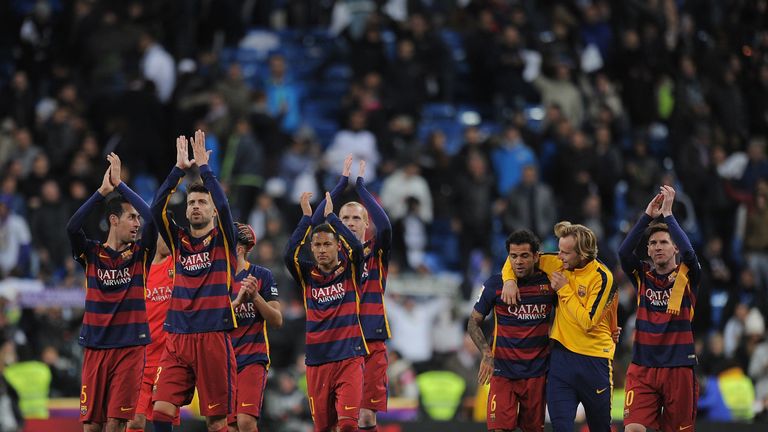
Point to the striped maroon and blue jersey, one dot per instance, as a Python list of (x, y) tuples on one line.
[(376, 253), (521, 332), (205, 266), (115, 312), (250, 339), (374, 280), (333, 330), (661, 339)]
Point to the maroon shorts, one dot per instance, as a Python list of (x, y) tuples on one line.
[(375, 377), (335, 390), (111, 382), (205, 360), (144, 405), (250, 392), (648, 389), (507, 395)]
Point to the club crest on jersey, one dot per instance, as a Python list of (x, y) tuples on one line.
[(544, 288), (582, 291), (127, 254), (207, 240), (170, 273), (83, 410), (366, 250), (672, 276), (338, 271)]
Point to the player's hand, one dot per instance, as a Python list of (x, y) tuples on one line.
[(669, 198), (361, 169), (306, 209), (106, 187), (250, 285), (616, 334), (115, 169), (182, 153), (558, 280), (654, 207), (199, 153), (328, 205), (486, 370), (510, 293), (347, 166)]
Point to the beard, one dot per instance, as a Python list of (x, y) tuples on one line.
[(199, 225)]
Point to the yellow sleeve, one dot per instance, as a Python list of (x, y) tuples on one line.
[(548, 263), (506, 272), (599, 301)]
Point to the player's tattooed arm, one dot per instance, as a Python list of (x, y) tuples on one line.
[(476, 333)]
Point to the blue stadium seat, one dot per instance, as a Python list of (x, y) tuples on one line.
[(324, 129), (338, 72), (534, 117), (438, 110), (451, 128), (317, 108), (443, 244), (455, 43), (390, 44)]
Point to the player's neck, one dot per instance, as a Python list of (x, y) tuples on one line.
[(199, 232), (113, 242), (329, 267), (666, 267), (242, 263)]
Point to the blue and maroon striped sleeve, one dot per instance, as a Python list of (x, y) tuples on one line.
[(291, 254), (353, 249), (485, 302), (167, 228), (378, 216), (221, 203), (687, 254), (318, 216), (630, 263), (75, 226)]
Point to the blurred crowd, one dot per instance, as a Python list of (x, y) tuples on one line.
[(476, 117)]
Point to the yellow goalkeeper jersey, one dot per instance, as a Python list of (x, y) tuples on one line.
[(586, 308)]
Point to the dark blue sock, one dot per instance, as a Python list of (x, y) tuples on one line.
[(162, 422)]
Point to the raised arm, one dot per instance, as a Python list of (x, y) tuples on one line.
[(351, 246), (375, 211), (297, 240), (201, 155), (318, 216), (148, 230), (630, 263), (75, 224), (166, 226), (687, 254)]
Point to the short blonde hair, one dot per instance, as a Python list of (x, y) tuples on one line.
[(358, 205), (586, 241)]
